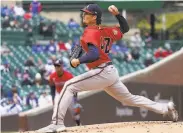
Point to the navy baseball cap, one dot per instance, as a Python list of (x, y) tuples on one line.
[(93, 9), (58, 62)]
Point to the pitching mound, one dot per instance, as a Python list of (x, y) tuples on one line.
[(130, 127)]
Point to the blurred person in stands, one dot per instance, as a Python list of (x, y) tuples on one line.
[(13, 107), (3, 103), (162, 53), (148, 60), (148, 39), (51, 47), (5, 106), (6, 66), (121, 52), (136, 40), (14, 90), (16, 107), (49, 68), (6, 22), (46, 29), (58, 78), (42, 71), (29, 62), (12, 23), (32, 101), (37, 48), (135, 53), (18, 74), (44, 99), (17, 99), (2, 67), (127, 56), (66, 62), (51, 28), (115, 50), (62, 46), (53, 58), (27, 16), (35, 7), (68, 45), (42, 27), (73, 24), (5, 11), (4, 50), (41, 66), (168, 48), (27, 80), (38, 80), (18, 10)]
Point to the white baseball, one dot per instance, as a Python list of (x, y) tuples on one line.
[(111, 8)]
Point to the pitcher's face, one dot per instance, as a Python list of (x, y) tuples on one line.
[(88, 18)]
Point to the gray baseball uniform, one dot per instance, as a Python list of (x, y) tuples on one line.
[(105, 78)]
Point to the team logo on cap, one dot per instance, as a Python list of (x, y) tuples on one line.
[(87, 7)]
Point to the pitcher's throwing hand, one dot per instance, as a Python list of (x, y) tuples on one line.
[(113, 10)]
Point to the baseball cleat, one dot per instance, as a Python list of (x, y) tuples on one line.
[(61, 128), (52, 128), (172, 113)]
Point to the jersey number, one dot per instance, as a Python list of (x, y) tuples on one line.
[(105, 42)]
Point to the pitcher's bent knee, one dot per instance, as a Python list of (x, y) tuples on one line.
[(72, 89)]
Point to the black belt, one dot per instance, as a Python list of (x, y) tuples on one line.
[(106, 64)]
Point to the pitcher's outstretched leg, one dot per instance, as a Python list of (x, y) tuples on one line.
[(121, 93)]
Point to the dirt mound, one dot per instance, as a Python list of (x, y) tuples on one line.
[(130, 127)]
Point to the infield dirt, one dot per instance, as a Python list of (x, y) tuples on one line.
[(130, 127)]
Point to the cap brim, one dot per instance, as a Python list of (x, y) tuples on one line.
[(84, 10)]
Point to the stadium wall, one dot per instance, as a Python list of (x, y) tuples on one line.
[(10, 123)]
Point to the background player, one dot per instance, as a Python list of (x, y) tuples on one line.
[(96, 42), (58, 78), (57, 81), (76, 110)]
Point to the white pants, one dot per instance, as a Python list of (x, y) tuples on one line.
[(70, 108), (102, 78)]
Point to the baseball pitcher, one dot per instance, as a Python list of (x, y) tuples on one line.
[(96, 41)]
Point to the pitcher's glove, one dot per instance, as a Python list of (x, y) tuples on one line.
[(75, 53)]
